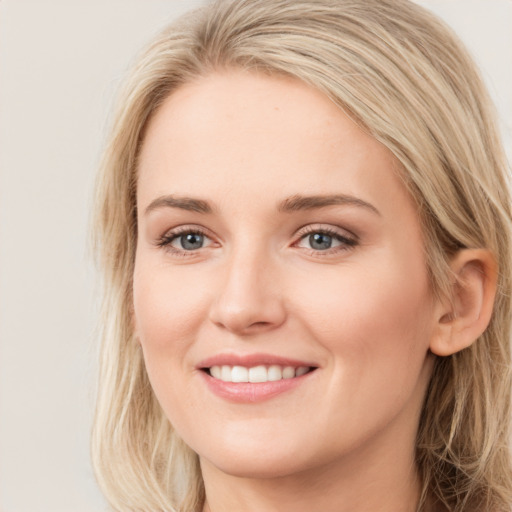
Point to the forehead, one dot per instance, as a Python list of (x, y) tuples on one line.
[(248, 135)]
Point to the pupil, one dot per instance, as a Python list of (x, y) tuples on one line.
[(320, 241), (191, 241)]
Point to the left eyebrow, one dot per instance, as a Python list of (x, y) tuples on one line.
[(298, 202)]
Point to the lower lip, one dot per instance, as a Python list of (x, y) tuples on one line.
[(252, 392)]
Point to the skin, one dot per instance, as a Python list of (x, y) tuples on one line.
[(361, 311)]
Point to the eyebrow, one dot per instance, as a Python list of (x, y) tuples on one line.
[(298, 202), (183, 203), (290, 204)]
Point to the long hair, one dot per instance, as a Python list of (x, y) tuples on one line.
[(404, 77)]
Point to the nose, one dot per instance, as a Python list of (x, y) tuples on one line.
[(249, 299)]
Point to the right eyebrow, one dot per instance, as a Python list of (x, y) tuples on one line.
[(184, 203)]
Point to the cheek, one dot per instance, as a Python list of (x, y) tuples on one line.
[(170, 306), (378, 314), (375, 326), (167, 305), (169, 309)]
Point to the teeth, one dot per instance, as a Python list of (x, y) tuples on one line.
[(225, 374), (256, 373), (239, 374), (301, 371), (288, 372), (274, 373), (216, 372)]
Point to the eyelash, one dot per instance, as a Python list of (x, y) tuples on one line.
[(166, 240), (346, 243)]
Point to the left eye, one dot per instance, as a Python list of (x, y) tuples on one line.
[(323, 241)]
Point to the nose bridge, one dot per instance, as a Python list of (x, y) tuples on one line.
[(248, 297), (244, 268)]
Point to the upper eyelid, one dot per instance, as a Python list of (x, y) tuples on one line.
[(185, 228), (328, 228)]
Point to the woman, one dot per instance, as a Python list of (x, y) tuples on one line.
[(304, 228)]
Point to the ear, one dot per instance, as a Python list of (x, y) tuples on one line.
[(464, 316)]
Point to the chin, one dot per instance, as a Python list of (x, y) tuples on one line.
[(261, 467), (260, 458)]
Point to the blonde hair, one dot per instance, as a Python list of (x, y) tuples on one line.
[(404, 77)]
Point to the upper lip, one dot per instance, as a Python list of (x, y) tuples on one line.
[(251, 360)]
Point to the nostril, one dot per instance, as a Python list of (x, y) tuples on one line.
[(259, 324)]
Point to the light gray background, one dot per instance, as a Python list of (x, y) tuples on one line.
[(60, 64)]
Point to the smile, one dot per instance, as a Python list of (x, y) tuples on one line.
[(249, 378), (255, 374)]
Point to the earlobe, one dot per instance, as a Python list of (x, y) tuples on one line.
[(463, 317)]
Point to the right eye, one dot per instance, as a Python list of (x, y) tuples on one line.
[(189, 242), (184, 240)]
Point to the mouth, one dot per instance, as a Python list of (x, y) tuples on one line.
[(256, 374), (250, 378)]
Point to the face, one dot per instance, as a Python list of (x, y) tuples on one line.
[(281, 296)]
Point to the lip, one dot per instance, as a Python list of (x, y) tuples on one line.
[(249, 360), (251, 392)]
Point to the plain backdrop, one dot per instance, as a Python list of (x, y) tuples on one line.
[(60, 65)]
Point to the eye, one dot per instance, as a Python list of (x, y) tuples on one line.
[(320, 241), (183, 240), (189, 241), (325, 240)]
